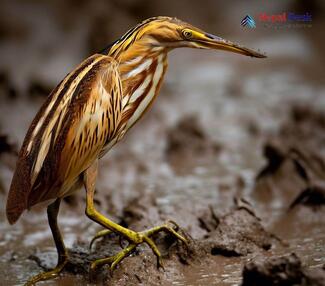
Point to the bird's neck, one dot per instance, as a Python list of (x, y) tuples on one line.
[(142, 70), (136, 66)]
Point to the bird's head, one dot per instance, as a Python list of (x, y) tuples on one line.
[(170, 33)]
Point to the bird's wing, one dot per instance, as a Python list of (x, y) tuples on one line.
[(80, 117)]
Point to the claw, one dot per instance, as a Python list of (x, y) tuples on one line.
[(175, 233), (160, 263), (174, 223)]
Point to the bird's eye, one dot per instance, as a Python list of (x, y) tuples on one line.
[(187, 34)]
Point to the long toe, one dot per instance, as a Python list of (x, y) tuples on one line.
[(112, 261), (47, 275), (167, 228), (99, 235)]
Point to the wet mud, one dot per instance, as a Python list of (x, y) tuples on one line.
[(188, 145), (234, 234)]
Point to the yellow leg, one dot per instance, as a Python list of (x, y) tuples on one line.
[(134, 238), (52, 213)]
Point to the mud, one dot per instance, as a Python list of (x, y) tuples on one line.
[(237, 233), (297, 151), (188, 145)]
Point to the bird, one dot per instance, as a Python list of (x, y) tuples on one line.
[(88, 113)]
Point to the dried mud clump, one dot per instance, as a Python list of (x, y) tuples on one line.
[(280, 271), (237, 233), (296, 159)]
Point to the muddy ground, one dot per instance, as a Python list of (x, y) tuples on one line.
[(233, 150)]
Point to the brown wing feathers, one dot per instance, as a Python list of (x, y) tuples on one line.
[(21, 183), (77, 90)]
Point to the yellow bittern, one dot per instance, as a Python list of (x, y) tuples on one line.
[(87, 114)]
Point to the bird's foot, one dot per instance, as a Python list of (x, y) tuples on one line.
[(48, 274), (136, 238)]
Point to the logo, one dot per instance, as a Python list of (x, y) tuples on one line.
[(278, 21), (286, 20), (248, 22), (285, 17)]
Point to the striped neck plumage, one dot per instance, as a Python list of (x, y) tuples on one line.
[(133, 64), (141, 67), (141, 81), (139, 61)]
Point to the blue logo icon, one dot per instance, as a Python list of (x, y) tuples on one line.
[(248, 22)]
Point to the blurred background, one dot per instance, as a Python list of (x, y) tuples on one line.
[(201, 143)]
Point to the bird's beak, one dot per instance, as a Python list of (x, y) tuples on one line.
[(208, 41)]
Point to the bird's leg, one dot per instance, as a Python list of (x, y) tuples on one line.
[(134, 238), (52, 213)]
